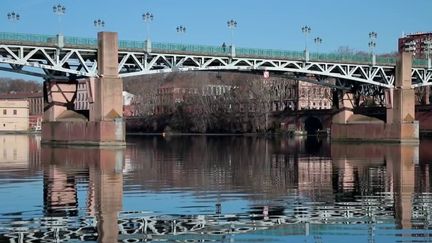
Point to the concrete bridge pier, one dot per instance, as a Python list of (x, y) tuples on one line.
[(400, 125), (104, 125)]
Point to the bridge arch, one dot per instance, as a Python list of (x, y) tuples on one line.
[(312, 125)]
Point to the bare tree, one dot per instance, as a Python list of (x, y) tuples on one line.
[(8, 85)]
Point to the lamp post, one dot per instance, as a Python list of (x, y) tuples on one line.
[(13, 17), (148, 18), (99, 24), (181, 30), (232, 25), (318, 42), (306, 30), (427, 45), (372, 44), (59, 10)]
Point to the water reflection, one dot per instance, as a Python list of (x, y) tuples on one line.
[(103, 169), (216, 189)]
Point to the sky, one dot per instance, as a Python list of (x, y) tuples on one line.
[(272, 24)]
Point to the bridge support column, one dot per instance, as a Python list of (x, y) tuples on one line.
[(400, 126), (346, 108), (105, 125)]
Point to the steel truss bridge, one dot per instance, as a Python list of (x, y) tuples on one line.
[(42, 56)]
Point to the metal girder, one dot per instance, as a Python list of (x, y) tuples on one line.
[(78, 62), (162, 63), (83, 63)]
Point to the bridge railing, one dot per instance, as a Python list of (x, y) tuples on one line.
[(80, 42), (192, 49), (19, 38), (91, 43)]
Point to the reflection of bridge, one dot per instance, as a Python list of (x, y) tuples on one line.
[(296, 215), (78, 57), (298, 219)]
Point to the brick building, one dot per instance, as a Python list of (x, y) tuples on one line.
[(416, 43), (282, 95), (313, 96)]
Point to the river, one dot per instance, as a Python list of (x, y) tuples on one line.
[(215, 189)]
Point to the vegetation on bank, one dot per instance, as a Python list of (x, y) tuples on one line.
[(205, 102), (8, 85)]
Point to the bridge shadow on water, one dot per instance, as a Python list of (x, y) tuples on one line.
[(199, 188)]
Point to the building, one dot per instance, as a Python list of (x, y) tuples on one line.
[(417, 43), (281, 94), (313, 96), (83, 95), (35, 106), (14, 115)]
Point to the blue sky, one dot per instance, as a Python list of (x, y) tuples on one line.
[(272, 24)]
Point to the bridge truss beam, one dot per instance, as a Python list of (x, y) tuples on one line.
[(51, 62)]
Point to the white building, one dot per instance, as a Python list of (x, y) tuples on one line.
[(14, 115)]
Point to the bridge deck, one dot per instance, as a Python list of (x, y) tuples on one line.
[(172, 48)]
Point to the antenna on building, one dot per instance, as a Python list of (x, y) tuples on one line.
[(403, 34)]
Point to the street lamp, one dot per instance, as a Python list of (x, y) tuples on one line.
[(147, 18), (13, 17), (427, 45), (372, 44), (59, 10), (318, 42), (232, 25), (306, 30), (99, 24), (181, 30)]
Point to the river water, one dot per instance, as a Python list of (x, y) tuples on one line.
[(215, 189)]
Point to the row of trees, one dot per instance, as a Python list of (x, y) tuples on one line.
[(8, 85)]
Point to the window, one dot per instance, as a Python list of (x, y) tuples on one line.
[(4, 112), (15, 112)]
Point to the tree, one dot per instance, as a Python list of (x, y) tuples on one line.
[(8, 85)]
